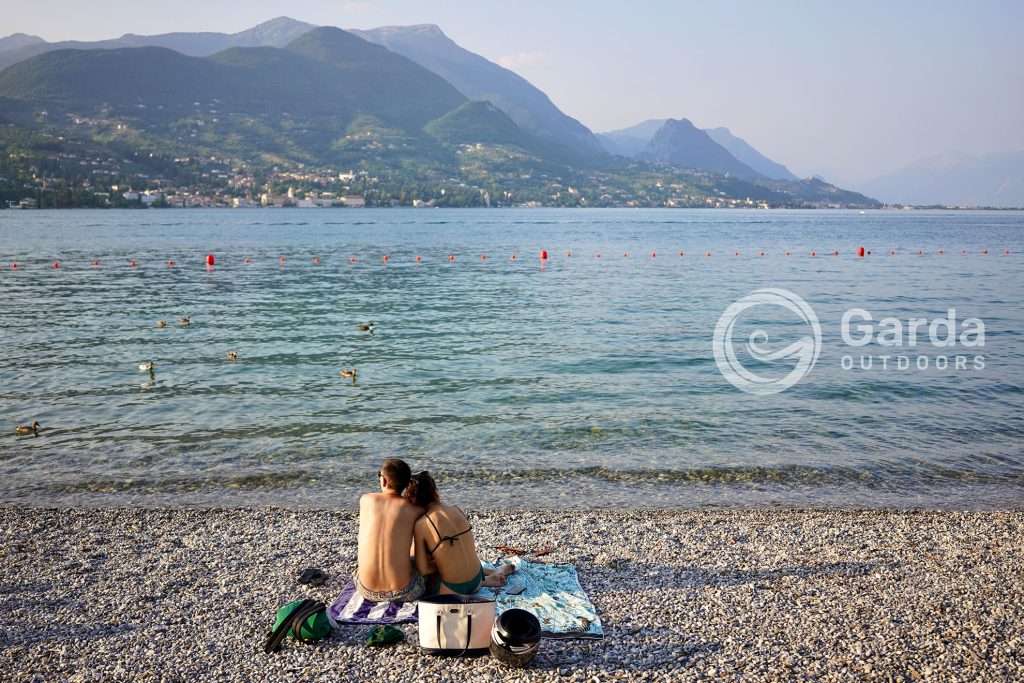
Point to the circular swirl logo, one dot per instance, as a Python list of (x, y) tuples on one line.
[(804, 351)]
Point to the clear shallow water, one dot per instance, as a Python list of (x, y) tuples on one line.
[(589, 382)]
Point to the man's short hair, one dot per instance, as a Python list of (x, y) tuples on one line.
[(397, 472)]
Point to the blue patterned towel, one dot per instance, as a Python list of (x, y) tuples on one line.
[(350, 608), (552, 592)]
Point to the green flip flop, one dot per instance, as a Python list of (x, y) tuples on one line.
[(384, 635)]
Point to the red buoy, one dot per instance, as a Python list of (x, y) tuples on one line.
[(654, 254), (14, 266), (513, 257), (211, 260), (451, 258), (543, 254), (385, 258), (813, 254), (860, 251), (483, 257), (419, 259), (56, 265), (170, 263), (247, 260), (351, 259), (132, 264), (96, 263), (626, 254)]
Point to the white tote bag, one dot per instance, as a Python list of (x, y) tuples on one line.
[(456, 625)]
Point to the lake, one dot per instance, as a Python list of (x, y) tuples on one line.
[(588, 379)]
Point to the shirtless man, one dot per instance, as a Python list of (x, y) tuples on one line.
[(386, 522)]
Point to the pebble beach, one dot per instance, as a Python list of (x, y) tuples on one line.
[(754, 595)]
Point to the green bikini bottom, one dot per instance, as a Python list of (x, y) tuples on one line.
[(466, 587)]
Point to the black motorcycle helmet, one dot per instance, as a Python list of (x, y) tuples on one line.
[(515, 637)]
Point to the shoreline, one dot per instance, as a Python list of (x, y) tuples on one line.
[(890, 208), (169, 593)]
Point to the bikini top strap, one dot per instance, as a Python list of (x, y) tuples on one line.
[(436, 530), (442, 539)]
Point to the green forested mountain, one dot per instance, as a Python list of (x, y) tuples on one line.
[(325, 72), (479, 122)]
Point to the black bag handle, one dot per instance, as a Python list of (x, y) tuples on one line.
[(273, 642), (469, 634), (299, 617), (293, 623)]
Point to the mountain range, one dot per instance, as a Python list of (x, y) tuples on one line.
[(476, 77), (955, 179), (274, 33), (407, 102)]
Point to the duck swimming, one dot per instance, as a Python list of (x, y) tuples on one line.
[(186, 321), (161, 323), (148, 366), (367, 327), (25, 430), (349, 374), (232, 355)]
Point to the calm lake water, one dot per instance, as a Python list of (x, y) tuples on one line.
[(589, 381)]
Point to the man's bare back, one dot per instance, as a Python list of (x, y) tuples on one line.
[(386, 522)]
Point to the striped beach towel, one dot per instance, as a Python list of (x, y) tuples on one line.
[(351, 608)]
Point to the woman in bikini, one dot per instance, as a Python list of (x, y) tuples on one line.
[(444, 543)]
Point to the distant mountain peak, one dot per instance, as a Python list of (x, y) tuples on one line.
[(745, 152), (632, 141), (276, 22), (430, 29), (19, 40), (684, 123), (680, 143), (480, 79)]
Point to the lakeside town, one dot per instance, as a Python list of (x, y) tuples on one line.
[(69, 180)]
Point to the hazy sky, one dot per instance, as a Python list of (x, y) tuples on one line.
[(846, 89)]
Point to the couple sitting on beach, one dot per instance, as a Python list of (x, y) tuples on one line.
[(411, 544)]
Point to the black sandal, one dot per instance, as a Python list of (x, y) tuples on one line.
[(311, 576)]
